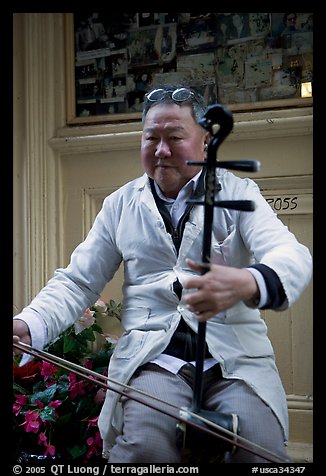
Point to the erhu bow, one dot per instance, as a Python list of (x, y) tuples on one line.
[(185, 416)]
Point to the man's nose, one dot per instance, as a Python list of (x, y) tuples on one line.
[(162, 149)]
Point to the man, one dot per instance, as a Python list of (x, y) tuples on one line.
[(151, 226)]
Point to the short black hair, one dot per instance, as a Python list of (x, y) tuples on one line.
[(285, 16)]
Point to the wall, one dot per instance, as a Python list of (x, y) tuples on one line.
[(62, 174)]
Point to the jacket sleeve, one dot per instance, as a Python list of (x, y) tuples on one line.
[(285, 263)]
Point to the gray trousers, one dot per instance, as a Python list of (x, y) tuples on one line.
[(150, 436)]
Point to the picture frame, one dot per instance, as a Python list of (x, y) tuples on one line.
[(241, 60)]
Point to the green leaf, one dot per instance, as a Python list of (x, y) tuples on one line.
[(63, 386), (96, 328), (114, 309), (85, 406), (88, 334), (45, 396), (48, 414), (69, 344), (77, 451), (64, 419), (19, 389)]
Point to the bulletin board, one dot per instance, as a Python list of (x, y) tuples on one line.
[(247, 61)]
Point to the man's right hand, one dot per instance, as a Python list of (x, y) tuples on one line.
[(20, 334)]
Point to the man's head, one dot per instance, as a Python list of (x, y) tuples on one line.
[(289, 20), (172, 137)]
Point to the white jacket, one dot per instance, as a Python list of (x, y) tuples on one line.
[(129, 228)]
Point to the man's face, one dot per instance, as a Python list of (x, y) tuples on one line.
[(170, 138)]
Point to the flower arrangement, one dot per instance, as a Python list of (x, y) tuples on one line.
[(55, 411)]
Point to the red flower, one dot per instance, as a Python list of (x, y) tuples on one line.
[(55, 404), (39, 403), (21, 399), (92, 422), (27, 372), (48, 370), (18, 405), (49, 449), (16, 409), (95, 445), (75, 388), (100, 396), (32, 421)]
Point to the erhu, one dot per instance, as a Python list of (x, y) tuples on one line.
[(191, 440)]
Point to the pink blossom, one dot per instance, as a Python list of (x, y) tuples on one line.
[(18, 405), (42, 439), (88, 364), (32, 421), (101, 308), (101, 305), (49, 449), (39, 403), (48, 370), (95, 445), (17, 409), (55, 404), (87, 320), (21, 399), (92, 422), (75, 388), (100, 396)]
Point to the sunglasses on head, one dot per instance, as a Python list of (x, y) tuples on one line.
[(177, 95)]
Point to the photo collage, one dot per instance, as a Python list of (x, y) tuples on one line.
[(232, 58)]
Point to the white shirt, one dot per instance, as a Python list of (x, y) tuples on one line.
[(177, 208)]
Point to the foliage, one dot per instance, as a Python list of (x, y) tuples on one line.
[(55, 411)]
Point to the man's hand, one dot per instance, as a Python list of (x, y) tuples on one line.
[(20, 334), (220, 288)]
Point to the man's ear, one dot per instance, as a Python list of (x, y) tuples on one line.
[(207, 138)]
